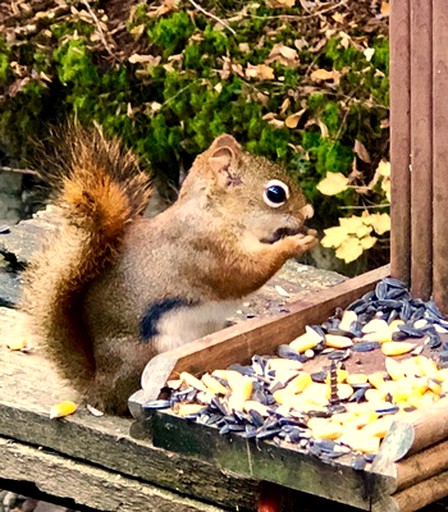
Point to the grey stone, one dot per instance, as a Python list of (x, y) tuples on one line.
[(10, 284)]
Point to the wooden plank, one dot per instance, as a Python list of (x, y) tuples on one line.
[(424, 493), (240, 342), (292, 468), (400, 136), (29, 386), (421, 148), (422, 465), (440, 153), (86, 485)]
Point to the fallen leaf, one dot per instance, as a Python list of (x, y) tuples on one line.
[(62, 409), (322, 75), (361, 151), (383, 168), (385, 8), (334, 183), (293, 120), (356, 226), (145, 59), (368, 53), (379, 221), (386, 187), (275, 4), (368, 242), (260, 71), (350, 250), (284, 55), (334, 236)]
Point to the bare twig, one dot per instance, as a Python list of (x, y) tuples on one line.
[(4, 168), (210, 15), (98, 26)]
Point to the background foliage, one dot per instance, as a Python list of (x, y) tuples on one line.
[(304, 82)]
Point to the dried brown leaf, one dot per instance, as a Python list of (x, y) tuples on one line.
[(293, 120), (360, 150), (323, 75), (260, 72)]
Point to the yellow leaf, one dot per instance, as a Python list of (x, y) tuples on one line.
[(62, 409), (355, 225), (334, 183), (350, 250), (334, 236), (368, 242), (380, 222), (385, 185), (383, 169)]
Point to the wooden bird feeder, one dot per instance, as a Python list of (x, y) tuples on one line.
[(411, 469)]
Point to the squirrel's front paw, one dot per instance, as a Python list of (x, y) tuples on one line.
[(304, 242)]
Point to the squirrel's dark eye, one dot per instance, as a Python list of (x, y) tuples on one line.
[(276, 193)]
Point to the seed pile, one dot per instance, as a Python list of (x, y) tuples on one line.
[(337, 388)]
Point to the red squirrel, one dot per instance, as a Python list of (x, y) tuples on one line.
[(112, 288)]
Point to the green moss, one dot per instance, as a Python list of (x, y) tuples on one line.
[(204, 90), (170, 34)]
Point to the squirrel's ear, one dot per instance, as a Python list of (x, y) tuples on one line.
[(221, 159), (225, 140)]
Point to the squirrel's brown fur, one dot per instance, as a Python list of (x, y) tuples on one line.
[(99, 189), (113, 288)]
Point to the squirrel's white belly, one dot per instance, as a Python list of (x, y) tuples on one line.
[(188, 323)]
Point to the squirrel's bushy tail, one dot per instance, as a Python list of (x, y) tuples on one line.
[(99, 189)]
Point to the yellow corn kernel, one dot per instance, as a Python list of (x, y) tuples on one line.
[(360, 442), (306, 341), (17, 344), (185, 409), (226, 374), (376, 379), (299, 383), (253, 405), (427, 367), (347, 319), (397, 348), (375, 395), (345, 391), (283, 396), (375, 325), (341, 376), (379, 427), (379, 336), (213, 385), (395, 324), (335, 341), (327, 430), (394, 369), (62, 409), (365, 418), (191, 380), (356, 378)]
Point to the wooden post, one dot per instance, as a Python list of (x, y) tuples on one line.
[(400, 139), (419, 148), (440, 153)]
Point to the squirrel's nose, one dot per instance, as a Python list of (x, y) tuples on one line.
[(307, 211)]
